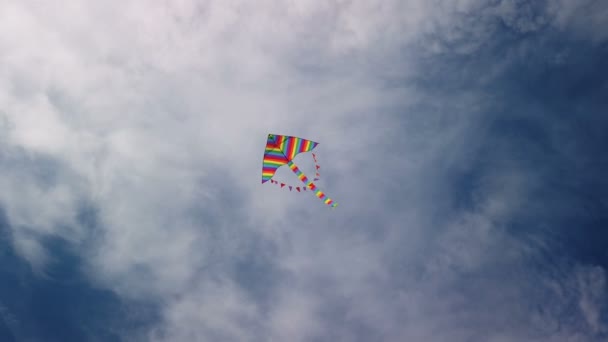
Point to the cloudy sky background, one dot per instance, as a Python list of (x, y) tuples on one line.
[(463, 140)]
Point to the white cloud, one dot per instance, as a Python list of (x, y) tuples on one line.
[(215, 311), (8, 320), (586, 19), (157, 114), (592, 287)]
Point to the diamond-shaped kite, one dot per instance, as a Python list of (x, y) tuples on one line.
[(280, 150)]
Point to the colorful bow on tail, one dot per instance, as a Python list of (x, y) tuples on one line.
[(311, 185)]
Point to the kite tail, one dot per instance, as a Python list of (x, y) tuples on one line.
[(311, 185)]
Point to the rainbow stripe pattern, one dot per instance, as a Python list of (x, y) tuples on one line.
[(309, 184), (280, 150)]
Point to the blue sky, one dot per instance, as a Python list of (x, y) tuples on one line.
[(463, 140)]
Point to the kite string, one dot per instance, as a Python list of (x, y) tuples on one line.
[(317, 167), (291, 187)]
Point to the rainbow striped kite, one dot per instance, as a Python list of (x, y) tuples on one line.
[(280, 150)]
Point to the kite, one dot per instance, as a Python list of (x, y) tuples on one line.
[(280, 150)]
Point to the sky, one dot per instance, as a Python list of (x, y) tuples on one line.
[(464, 141)]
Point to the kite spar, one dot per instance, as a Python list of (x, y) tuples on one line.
[(280, 150)]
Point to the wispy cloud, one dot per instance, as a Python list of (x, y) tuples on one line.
[(156, 122)]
